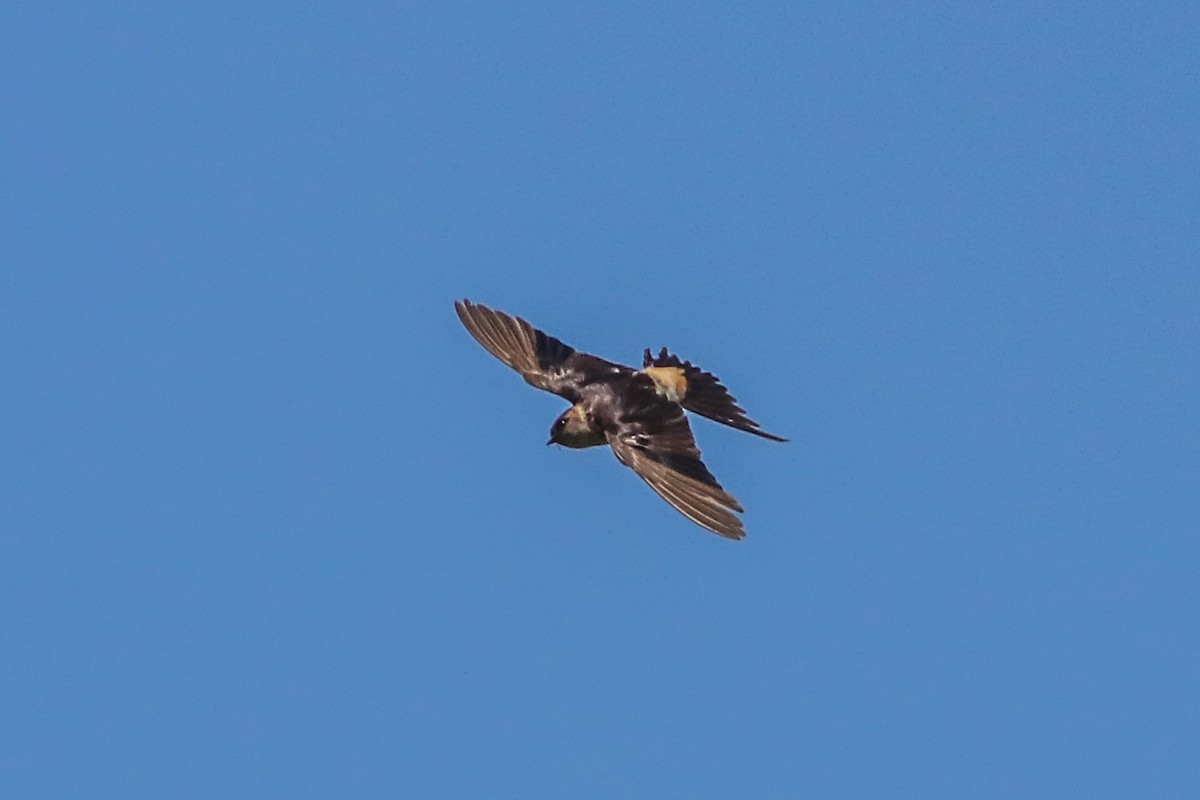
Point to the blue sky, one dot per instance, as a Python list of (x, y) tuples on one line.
[(275, 526)]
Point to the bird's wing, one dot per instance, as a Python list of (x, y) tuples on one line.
[(542, 360), (699, 392), (653, 438)]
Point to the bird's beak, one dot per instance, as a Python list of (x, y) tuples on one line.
[(550, 441)]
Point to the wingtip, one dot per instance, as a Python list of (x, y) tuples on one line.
[(731, 533), (462, 309)]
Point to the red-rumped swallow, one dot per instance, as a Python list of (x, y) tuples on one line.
[(639, 413)]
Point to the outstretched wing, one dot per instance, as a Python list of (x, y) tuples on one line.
[(699, 392), (542, 360), (653, 438)]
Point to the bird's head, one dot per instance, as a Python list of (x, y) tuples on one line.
[(575, 428)]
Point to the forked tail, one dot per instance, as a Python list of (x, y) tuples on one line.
[(699, 392)]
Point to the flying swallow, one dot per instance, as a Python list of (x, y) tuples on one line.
[(638, 413)]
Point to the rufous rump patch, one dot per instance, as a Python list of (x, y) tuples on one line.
[(671, 382)]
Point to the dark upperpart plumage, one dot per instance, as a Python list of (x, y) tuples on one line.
[(639, 413)]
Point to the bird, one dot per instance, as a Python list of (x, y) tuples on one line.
[(638, 413)]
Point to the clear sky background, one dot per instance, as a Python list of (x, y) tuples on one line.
[(274, 526)]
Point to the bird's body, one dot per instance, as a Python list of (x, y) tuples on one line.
[(639, 413)]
